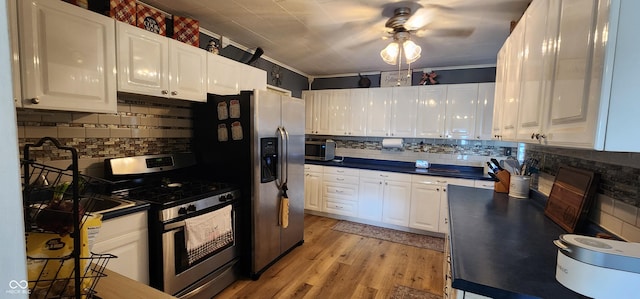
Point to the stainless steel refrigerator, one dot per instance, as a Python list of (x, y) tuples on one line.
[(277, 118), (256, 140)]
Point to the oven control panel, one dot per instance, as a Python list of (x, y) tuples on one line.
[(198, 205)]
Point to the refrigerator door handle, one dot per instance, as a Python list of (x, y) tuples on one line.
[(286, 155), (282, 159)]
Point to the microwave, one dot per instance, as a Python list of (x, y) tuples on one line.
[(319, 150)]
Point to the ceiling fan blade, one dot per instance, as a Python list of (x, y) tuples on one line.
[(445, 32), (420, 18)]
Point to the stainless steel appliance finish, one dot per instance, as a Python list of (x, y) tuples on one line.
[(282, 117), (319, 150), (176, 193)]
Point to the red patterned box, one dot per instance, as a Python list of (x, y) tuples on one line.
[(186, 30), (151, 19), (123, 11)]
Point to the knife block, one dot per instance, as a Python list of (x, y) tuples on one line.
[(505, 180)]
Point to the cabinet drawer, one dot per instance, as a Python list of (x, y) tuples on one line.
[(312, 168), (343, 179), (341, 171), (119, 226), (340, 207), (385, 175), (343, 191), (484, 184)]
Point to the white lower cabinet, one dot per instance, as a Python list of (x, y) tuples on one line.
[(429, 208), (340, 191), (393, 191), (370, 199), (126, 237), (313, 187)]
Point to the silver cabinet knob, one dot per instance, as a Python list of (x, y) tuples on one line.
[(34, 101), (173, 93), (165, 92)]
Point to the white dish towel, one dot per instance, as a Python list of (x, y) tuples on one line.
[(208, 232)]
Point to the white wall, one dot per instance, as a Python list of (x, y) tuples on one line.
[(12, 259)]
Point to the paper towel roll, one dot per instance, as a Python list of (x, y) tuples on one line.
[(392, 143)]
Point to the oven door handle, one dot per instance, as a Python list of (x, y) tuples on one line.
[(174, 225)]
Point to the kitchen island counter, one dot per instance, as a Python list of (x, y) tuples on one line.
[(502, 247)]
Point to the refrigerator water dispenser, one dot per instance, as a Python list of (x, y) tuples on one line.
[(269, 159)]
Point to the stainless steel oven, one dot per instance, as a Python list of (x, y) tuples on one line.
[(179, 271), (178, 196)]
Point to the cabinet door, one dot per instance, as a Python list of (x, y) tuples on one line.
[(339, 110), (484, 110), (188, 71), (313, 191), (431, 111), (68, 57), (378, 112), (357, 118), (499, 102), (425, 207), (512, 82), (222, 75), (461, 111), (370, 199), (309, 116), (396, 202), (535, 79), (321, 104), (143, 61), (573, 111), (12, 20), (403, 111), (253, 78)]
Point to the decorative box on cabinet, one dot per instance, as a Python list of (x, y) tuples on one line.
[(313, 180), (154, 65), (68, 57), (126, 238)]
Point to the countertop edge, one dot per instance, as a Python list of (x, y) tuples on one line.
[(138, 207)]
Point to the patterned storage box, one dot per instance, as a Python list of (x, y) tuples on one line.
[(123, 11), (186, 30), (151, 19)]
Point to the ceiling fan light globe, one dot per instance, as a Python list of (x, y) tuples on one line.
[(411, 51), (390, 53)]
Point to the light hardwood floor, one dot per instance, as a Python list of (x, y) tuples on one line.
[(333, 264)]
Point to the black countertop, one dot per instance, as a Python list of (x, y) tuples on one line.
[(502, 247), (443, 170)]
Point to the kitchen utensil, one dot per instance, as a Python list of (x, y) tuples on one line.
[(512, 166), (492, 167), (502, 186), (496, 163), (571, 197), (494, 177)]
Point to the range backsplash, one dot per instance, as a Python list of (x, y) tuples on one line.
[(140, 127)]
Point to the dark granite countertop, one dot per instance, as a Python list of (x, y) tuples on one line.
[(502, 247), (442, 170)]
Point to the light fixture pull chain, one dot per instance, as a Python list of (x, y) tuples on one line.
[(399, 64)]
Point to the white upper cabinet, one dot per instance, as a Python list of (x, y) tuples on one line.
[(154, 65), (484, 111), (512, 81), (378, 115), (537, 69), (222, 75), (251, 77), (339, 111), (499, 97), (309, 116), (461, 110), (68, 57), (187, 71), (431, 111), (317, 107), (403, 111), (357, 117)]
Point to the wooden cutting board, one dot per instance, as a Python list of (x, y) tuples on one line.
[(571, 197)]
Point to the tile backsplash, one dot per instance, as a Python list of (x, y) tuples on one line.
[(140, 127), (618, 199), (438, 151)]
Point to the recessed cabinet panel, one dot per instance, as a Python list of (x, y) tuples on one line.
[(425, 206), (143, 61), (357, 118), (512, 82), (66, 69), (499, 100), (431, 111), (378, 115), (222, 75), (188, 66), (484, 110), (461, 111), (403, 111)]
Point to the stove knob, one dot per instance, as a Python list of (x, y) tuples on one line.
[(182, 211), (191, 208), (229, 196)]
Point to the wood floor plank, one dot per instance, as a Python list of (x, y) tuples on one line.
[(333, 264)]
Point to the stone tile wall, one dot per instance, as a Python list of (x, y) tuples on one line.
[(140, 127), (618, 200)]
